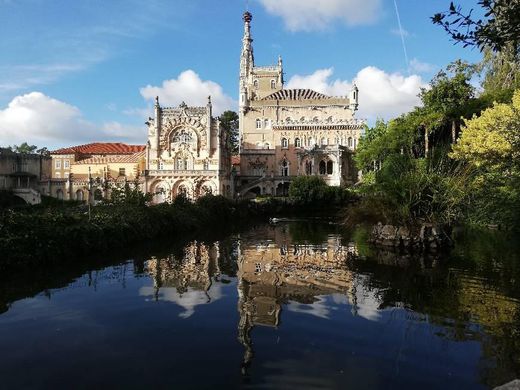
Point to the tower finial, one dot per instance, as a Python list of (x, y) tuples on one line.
[(157, 101)]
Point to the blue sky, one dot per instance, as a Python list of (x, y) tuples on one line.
[(85, 70)]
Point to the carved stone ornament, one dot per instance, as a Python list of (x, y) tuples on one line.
[(256, 164)]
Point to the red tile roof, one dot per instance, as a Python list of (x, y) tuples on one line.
[(131, 158), (101, 148)]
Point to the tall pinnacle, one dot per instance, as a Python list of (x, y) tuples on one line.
[(247, 61)]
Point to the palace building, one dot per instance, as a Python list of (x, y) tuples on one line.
[(284, 133), (291, 132), (186, 154)]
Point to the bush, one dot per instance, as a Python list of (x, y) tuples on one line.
[(314, 192)]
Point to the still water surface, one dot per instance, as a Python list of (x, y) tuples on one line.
[(292, 306)]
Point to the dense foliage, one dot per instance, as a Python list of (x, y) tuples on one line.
[(313, 192), (415, 173), (55, 233)]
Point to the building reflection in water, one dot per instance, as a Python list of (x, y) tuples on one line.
[(185, 279), (279, 271), (271, 272)]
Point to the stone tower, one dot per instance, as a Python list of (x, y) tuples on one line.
[(256, 82)]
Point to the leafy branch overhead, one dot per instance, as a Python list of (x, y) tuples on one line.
[(498, 28)]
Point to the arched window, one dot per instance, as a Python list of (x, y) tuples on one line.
[(323, 141), (308, 167), (336, 141), (79, 195), (285, 168), (323, 167), (266, 123), (311, 142), (297, 143), (258, 123), (255, 83), (349, 142), (273, 84), (355, 143), (330, 167), (161, 165), (266, 145), (285, 143)]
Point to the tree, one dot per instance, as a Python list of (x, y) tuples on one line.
[(491, 144), (493, 138), (499, 27), (24, 148), (229, 122), (448, 96)]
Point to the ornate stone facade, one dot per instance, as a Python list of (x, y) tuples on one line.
[(290, 132), (186, 154)]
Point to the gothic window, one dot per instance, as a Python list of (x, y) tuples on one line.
[(323, 141), (206, 165), (329, 167), (161, 165), (350, 142), (79, 195), (179, 163), (273, 84), (336, 141), (285, 143), (258, 123), (255, 83), (297, 143), (285, 168), (311, 142), (323, 167), (355, 143), (185, 137), (266, 123), (308, 168)]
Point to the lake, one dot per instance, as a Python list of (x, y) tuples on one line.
[(288, 306)]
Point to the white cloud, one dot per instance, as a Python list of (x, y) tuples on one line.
[(189, 300), (309, 15), (42, 120), (381, 94), (191, 89), (421, 67)]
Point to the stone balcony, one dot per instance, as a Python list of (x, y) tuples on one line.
[(184, 172)]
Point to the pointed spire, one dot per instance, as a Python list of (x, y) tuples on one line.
[(157, 101)]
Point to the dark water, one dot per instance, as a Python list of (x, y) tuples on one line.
[(299, 305)]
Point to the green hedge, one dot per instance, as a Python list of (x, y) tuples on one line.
[(52, 234)]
